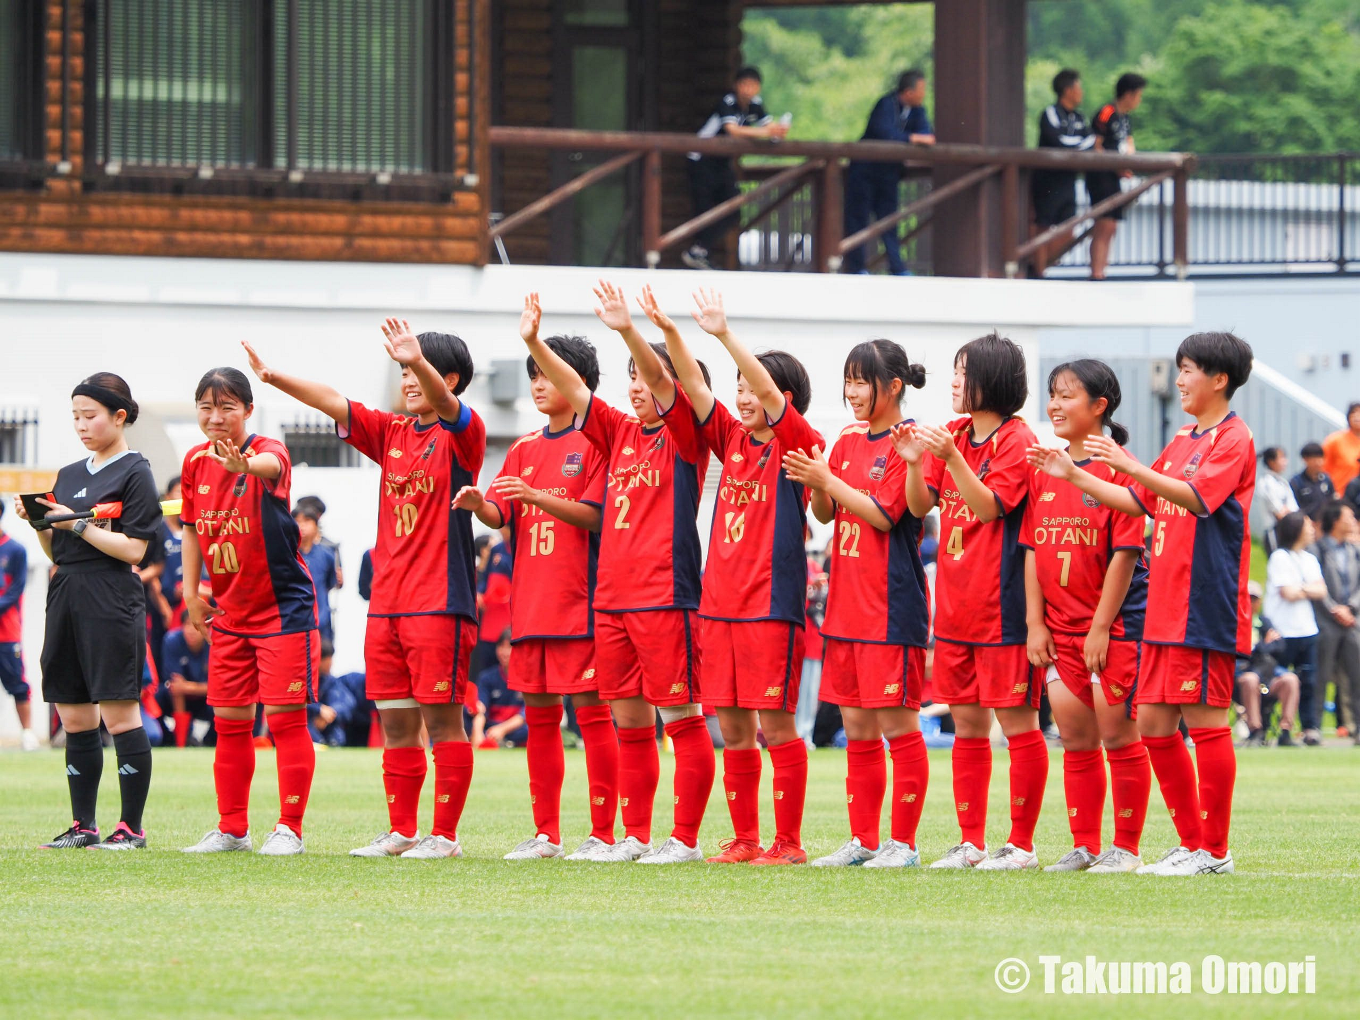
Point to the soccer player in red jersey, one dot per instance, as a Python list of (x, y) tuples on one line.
[(877, 608), (550, 491), (1198, 492), (265, 648), (647, 586), (753, 605), (975, 470), (422, 617), (1086, 587)]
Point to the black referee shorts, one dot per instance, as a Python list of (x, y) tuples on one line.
[(94, 648), (1101, 186)]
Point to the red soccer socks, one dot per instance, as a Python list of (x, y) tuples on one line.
[(694, 770), (452, 777), (404, 770), (639, 772), (1217, 776), (1084, 786), (972, 762), (296, 760), (790, 761), (911, 774), (1029, 776), (866, 781), (602, 767), (741, 782), (547, 768), (233, 769), (1130, 785)]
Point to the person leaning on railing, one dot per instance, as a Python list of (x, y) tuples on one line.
[(1054, 192), (1113, 133)]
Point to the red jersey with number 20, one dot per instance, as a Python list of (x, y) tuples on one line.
[(649, 545), (555, 563), (249, 543), (422, 561), (980, 569)]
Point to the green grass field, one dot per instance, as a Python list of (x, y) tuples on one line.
[(157, 933)]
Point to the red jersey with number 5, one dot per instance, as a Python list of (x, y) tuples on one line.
[(649, 545), (1197, 584), (422, 561), (249, 542), (980, 570), (1074, 537), (877, 588), (555, 563)]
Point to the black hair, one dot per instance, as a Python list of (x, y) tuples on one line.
[(880, 362), (327, 648), (225, 382), (576, 351), (1218, 351), (1330, 515), (665, 357), (1064, 80), (479, 543), (506, 635), (304, 509), (1312, 450), (1270, 453), (172, 483), (1129, 82), (1288, 529), (993, 375), (1098, 380), (448, 354), (117, 390), (313, 502), (1351, 408), (908, 79), (789, 375), (749, 71)]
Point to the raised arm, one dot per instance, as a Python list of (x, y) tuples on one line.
[(234, 461), (712, 319), (613, 312), (1058, 463), (403, 347), (568, 382), (314, 394)]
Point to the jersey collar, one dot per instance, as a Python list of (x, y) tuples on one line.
[(549, 434), (94, 470), (1197, 435), (873, 437)]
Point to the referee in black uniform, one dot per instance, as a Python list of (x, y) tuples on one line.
[(94, 648)]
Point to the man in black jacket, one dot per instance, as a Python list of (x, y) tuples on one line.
[(1054, 192)]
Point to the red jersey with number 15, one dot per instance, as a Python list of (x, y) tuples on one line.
[(555, 563), (422, 561), (249, 543)]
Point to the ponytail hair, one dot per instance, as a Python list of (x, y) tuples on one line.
[(880, 362), (1098, 380)]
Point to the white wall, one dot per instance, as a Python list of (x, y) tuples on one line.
[(162, 322)]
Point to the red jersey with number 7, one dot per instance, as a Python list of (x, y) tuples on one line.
[(249, 543), (1197, 583), (423, 561), (980, 569), (555, 563), (649, 545)]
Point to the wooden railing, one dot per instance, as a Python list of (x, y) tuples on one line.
[(958, 170)]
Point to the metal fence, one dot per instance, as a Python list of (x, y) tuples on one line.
[(315, 444), (18, 436)]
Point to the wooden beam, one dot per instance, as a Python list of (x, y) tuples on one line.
[(724, 209), (566, 191), (1096, 211), (927, 201)]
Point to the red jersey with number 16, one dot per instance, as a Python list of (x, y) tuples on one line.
[(980, 569), (555, 563), (249, 543), (422, 561)]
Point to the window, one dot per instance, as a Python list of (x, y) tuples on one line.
[(18, 436), (315, 444), (21, 81)]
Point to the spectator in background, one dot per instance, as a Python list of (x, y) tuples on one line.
[(871, 188), (1274, 496), (1054, 192), (366, 575), (713, 179), (165, 594), (183, 691), (316, 503), (1338, 633), (1313, 488), (1113, 133), (341, 715), (1260, 675), (815, 611), (494, 570), (1341, 450), (1293, 582), (499, 721), (320, 562), (13, 578)]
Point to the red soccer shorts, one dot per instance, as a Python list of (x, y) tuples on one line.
[(652, 655), (1177, 675), (752, 663), (553, 666), (275, 669), (420, 657), (993, 676), (860, 674), (1118, 681)]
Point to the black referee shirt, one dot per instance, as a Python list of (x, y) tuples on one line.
[(1061, 128), (125, 478), (729, 112)]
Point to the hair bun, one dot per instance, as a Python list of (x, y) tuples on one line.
[(916, 376), (131, 412)]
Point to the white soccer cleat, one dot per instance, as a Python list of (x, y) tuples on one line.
[(894, 854), (626, 850), (1200, 862), (1115, 861), (1173, 858), (1010, 858), (536, 849), (432, 848), (282, 842), (218, 842), (1076, 859), (590, 850), (672, 852), (386, 844), (961, 857), (851, 853), (29, 741)]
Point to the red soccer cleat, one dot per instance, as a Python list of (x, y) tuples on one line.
[(782, 853), (737, 851)]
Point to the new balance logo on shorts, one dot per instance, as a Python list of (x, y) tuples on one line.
[(1189, 685), (892, 688), (295, 687), (772, 692), (677, 688), (1019, 688), (443, 685)]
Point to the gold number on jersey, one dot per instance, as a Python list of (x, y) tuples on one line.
[(1066, 558), (621, 505), (736, 526), (224, 559), (955, 544), (406, 518), (849, 544), (1158, 538), (542, 540)]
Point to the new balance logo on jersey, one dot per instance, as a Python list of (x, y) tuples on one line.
[(203, 490), (737, 458), (772, 692), (1189, 685), (627, 451), (527, 471), (394, 452), (126, 770), (1047, 497), (79, 495)]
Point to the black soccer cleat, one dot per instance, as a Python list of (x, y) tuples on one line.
[(73, 839), (123, 838)]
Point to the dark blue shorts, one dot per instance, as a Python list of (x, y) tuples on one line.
[(12, 671)]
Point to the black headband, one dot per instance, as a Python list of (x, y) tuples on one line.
[(113, 401)]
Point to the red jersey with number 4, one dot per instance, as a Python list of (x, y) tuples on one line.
[(249, 542), (1074, 537), (980, 570), (877, 589), (1197, 584), (649, 545), (422, 561), (757, 564), (555, 562)]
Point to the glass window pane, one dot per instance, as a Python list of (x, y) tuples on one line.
[(598, 13), (600, 103)]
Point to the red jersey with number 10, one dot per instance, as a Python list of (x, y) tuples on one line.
[(422, 561), (555, 563), (249, 543), (980, 569)]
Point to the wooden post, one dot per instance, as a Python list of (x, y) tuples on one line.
[(651, 207), (1010, 219), (1180, 214), (830, 222), (481, 124)]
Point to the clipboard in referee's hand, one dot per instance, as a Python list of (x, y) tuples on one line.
[(35, 510)]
